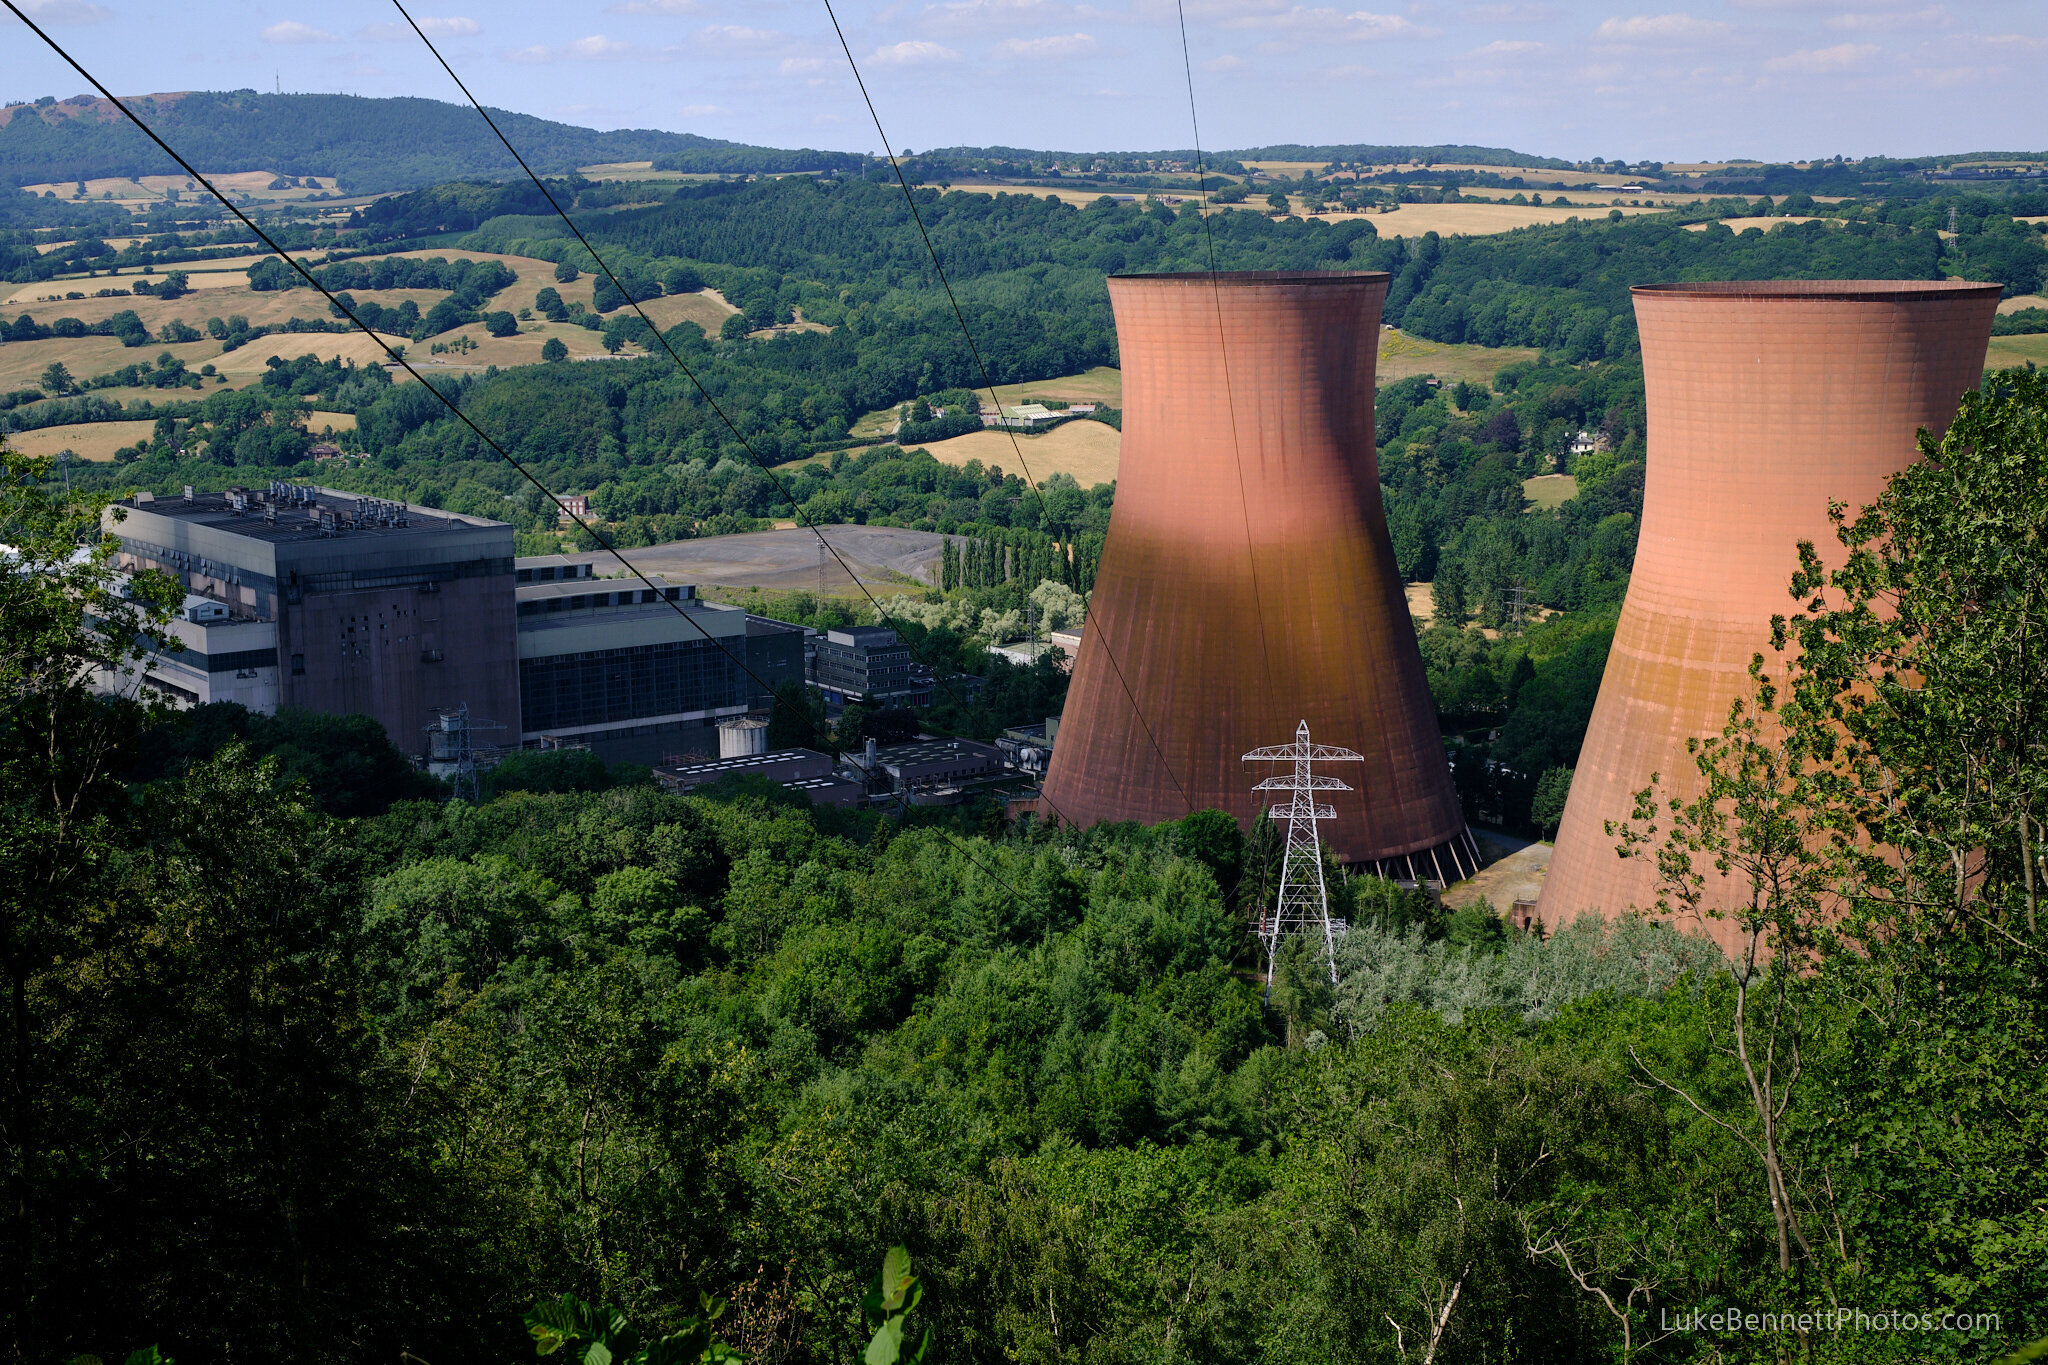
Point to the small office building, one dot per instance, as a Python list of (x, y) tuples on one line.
[(867, 664)]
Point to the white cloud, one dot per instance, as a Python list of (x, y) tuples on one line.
[(1934, 16), (292, 31), (1511, 13), (701, 110), (959, 16), (802, 66), (1815, 61), (65, 11), (1508, 47), (450, 26), (2019, 40), (454, 26), (1054, 45), (1658, 28), (656, 7), (739, 35), (596, 47), (914, 53), (1330, 24), (1231, 63)]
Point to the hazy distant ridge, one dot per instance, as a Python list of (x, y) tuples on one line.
[(371, 144)]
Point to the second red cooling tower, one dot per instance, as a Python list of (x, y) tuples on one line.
[(1765, 400)]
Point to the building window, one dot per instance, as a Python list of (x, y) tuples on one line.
[(298, 663)]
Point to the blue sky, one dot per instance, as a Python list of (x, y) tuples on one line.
[(1668, 80)]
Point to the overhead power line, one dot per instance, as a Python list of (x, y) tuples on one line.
[(988, 383), (826, 546), (398, 358), (1223, 350)]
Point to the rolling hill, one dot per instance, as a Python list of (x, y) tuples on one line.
[(371, 145)]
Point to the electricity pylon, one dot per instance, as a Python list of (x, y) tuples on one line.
[(1303, 904)]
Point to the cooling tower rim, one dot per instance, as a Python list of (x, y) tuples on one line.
[(1257, 277), (1820, 291)]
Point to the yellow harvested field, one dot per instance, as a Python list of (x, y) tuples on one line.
[(523, 349), (117, 243), (2014, 305), (1543, 173), (253, 184), (1548, 490), (250, 362), (319, 419), (1402, 356), (1420, 604), (707, 308), (1601, 198), (2008, 353), (22, 363), (1086, 450), (638, 170), (1099, 385), (1741, 225), (87, 440), (1475, 220)]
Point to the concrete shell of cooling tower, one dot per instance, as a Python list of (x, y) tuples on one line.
[(1247, 582), (1765, 400)]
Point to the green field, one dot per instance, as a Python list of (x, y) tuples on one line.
[(2009, 353)]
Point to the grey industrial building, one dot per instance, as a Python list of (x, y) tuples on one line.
[(639, 672), (867, 664), (340, 603), (307, 597)]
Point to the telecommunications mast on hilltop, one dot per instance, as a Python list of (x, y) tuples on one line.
[(1303, 904)]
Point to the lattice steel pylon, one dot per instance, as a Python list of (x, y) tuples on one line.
[(1303, 904)]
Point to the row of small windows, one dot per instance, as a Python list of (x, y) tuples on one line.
[(624, 598)]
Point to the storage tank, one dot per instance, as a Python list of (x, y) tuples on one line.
[(742, 736), (1765, 400), (1248, 582)]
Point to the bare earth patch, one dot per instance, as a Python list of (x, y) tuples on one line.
[(884, 557), (1518, 876)]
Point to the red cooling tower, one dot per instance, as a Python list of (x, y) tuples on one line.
[(1765, 401), (1248, 583)]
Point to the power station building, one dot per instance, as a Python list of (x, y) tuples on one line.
[(1248, 583), (301, 596), (1765, 400)]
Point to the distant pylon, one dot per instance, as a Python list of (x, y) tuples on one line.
[(1303, 904)]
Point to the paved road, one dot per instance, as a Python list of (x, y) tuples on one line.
[(787, 561)]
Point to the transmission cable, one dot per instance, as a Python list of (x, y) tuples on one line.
[(398, 358), (988, 383), (938, 675), (1223, 352)]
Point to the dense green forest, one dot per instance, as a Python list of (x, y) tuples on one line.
[(301, 1066), (370, 145)]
